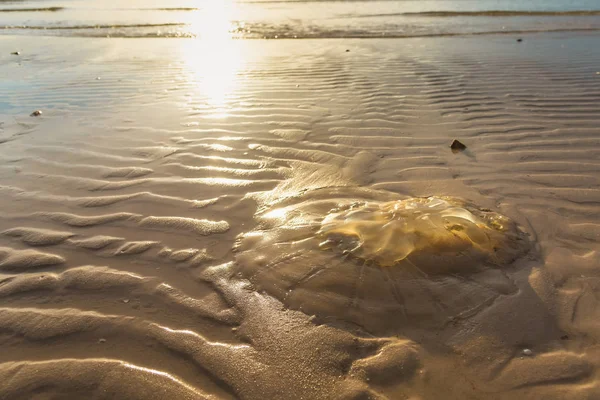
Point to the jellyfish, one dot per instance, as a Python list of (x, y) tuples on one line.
[(383, 265)]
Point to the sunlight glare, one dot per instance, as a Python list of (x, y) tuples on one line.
[(212, 21), (213, 57)]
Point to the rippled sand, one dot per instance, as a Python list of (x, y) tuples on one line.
[(184, 221)]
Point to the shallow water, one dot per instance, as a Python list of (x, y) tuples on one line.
[(294, 19)]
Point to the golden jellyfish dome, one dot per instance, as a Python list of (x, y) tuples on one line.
[(383, 265), (387, 233)]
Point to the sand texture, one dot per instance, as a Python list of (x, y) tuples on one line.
[(268, 221)]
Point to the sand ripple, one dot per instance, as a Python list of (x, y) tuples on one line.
[(121, 206)]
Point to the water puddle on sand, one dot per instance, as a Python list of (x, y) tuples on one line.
[(383, 265)]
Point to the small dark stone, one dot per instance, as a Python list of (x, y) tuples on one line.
[(36, 113), (519, 40), (564, 337), (457, 146), (347, 50), (16, 53)]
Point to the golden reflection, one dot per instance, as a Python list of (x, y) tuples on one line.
[(278, 214), (212, 57), (389, 232)]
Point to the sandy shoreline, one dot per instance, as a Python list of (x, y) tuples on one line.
[(121, 205)]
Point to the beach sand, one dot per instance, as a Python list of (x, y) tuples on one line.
[(133, 206)]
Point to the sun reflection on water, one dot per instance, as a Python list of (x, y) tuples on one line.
[(213, 58)]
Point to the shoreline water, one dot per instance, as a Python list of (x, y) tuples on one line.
[(294, 19)]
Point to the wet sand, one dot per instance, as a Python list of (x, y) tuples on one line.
[(161, 171)]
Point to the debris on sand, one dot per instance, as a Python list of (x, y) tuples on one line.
[(457, 146), (527, 352), (519, 40), (16, 53), (440, 253), (36, 113)]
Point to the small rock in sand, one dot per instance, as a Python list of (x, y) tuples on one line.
[(519, 40), (36, 113), (457, 146), (101, 340), (16, 53), (527, 352)]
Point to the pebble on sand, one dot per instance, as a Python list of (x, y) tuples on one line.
[(457, 146), (527, 352), (36, 113), (16, 53), (102, 341), (519, 40)]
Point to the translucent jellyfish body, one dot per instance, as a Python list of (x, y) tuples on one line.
[(383, 265)]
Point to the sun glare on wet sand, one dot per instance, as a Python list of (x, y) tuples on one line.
[(212, 57)]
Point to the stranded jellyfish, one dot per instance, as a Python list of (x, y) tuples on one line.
[(383, 265)]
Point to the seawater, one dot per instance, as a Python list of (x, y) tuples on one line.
[(293, 19)]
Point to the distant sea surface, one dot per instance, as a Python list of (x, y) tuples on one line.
[(294, 18)]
